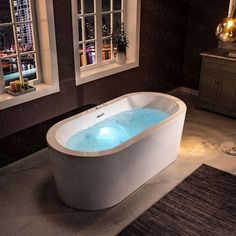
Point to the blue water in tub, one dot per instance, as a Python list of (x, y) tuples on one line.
[(115, 130)]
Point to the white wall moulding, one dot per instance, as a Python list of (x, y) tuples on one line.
[(47, 39)]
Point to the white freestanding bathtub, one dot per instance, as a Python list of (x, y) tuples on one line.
[(98, 180)]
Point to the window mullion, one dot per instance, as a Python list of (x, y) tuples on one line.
[(112, 23), (1, 75), (35, 40), (123, 7), (16, 40), (83, 33), (98, 29)]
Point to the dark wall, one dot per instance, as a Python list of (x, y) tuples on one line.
[(203, 18), (162, 42)]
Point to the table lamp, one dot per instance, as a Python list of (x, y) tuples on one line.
[(226, 30)]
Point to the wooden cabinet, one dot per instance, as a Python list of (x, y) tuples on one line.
[(217, 90)]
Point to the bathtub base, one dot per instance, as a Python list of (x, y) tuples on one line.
[(99, 180), (99, 183)]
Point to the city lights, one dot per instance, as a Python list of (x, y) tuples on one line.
[(17, 51)]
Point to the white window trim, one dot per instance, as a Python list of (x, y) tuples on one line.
[(48, 56), (132, 24)]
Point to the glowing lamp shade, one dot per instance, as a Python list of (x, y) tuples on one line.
[(226, 30)]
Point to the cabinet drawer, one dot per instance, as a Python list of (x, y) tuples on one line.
[(209, 72), (209, 67), (227, 66), (227, 75), (210, 63), (214, 64)]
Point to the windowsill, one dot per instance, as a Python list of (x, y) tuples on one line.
[(103, 71), (7, 100)]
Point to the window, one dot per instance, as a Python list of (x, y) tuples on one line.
[(18, 43), (94, 42), (28, 48), (93, 22)]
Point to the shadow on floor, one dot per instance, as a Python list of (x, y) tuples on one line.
[(60, 216)]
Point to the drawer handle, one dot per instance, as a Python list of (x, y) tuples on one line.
[(218, 81)]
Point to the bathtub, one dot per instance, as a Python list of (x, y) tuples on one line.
[(98, 180)]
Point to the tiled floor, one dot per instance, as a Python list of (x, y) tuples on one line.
[(29, 204)]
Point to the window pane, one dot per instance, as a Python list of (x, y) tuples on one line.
[(80, 29), (90, 53), (106, 25), (5, 12), (10, 69), (22, 10), (117, 21), (81, 53), (7, 43), (79, 6), (106, 5), (117, 4), (25, 37), (28, 66), (88, 6), (89, 27), (106, 49)]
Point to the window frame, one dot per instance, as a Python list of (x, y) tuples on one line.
[(14, 24), (44, 12), (98, 34), (109, 67)]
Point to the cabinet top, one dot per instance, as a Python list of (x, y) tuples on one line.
[(219, 53)]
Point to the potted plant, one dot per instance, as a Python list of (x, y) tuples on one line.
[(120, 42)]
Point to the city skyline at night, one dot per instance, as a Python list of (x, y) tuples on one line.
[(16, 39)]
